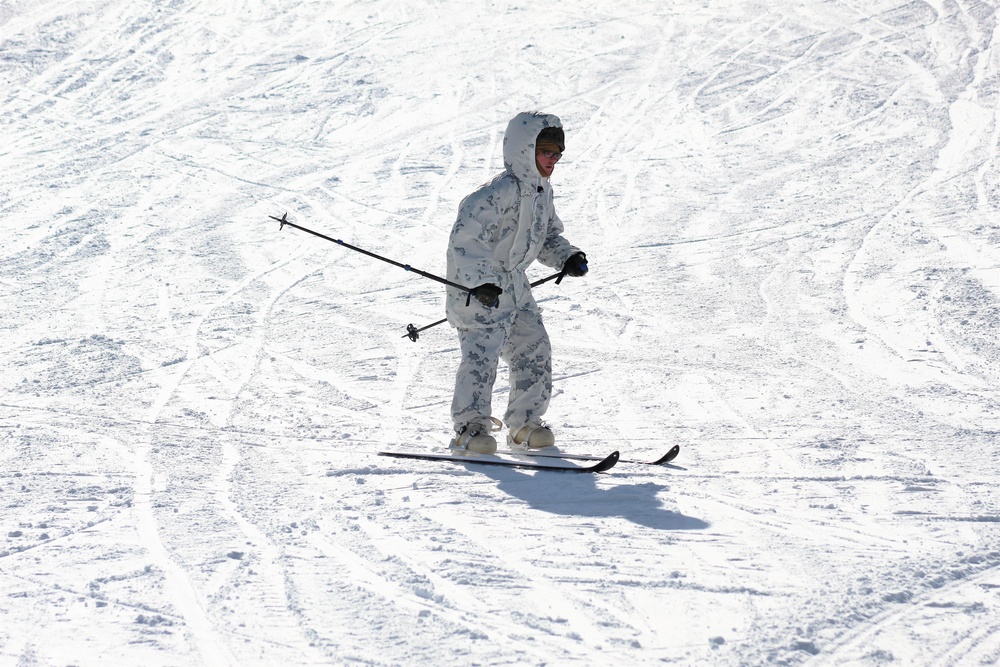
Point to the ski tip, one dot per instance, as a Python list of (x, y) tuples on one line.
[(608, 463), (666, 458)]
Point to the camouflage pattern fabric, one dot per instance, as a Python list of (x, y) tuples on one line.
[(504, 226), (526, 349), (501, 228)]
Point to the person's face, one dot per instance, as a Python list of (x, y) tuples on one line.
[(547, 161)]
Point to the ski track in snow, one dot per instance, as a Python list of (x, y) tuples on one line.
[(791, 215)]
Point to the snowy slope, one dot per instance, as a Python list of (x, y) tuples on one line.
[(790, 211)]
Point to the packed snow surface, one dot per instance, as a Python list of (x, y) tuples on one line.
[(790, 210)]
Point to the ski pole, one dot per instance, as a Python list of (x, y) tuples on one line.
[(413, 333), (406, 267)]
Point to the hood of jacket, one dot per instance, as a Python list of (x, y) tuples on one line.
[(519, 144)]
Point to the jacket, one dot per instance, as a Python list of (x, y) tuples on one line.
[(501, 228)]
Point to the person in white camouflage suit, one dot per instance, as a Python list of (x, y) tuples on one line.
[(502, 227)]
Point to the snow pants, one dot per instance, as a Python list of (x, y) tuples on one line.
[(524, 346)]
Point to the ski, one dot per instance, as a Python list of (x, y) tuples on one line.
[(601, 464), (556, 454)]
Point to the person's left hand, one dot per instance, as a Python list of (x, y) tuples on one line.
[(576, 265)]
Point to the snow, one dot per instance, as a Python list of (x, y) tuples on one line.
[(790, 212)]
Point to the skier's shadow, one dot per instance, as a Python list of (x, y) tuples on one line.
[(572, 494)]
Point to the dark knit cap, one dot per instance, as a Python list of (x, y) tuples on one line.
[(552, 135)]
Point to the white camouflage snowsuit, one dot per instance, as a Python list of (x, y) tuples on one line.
[(501, 228)]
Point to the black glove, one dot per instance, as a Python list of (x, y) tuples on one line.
[(576, 265), (488, 294)]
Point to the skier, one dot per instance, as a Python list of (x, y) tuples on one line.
[(502, 227)]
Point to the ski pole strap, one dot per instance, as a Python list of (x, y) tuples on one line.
[(554, 276)]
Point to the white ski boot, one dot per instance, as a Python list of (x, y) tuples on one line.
[(475, 437), (531, 436)]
